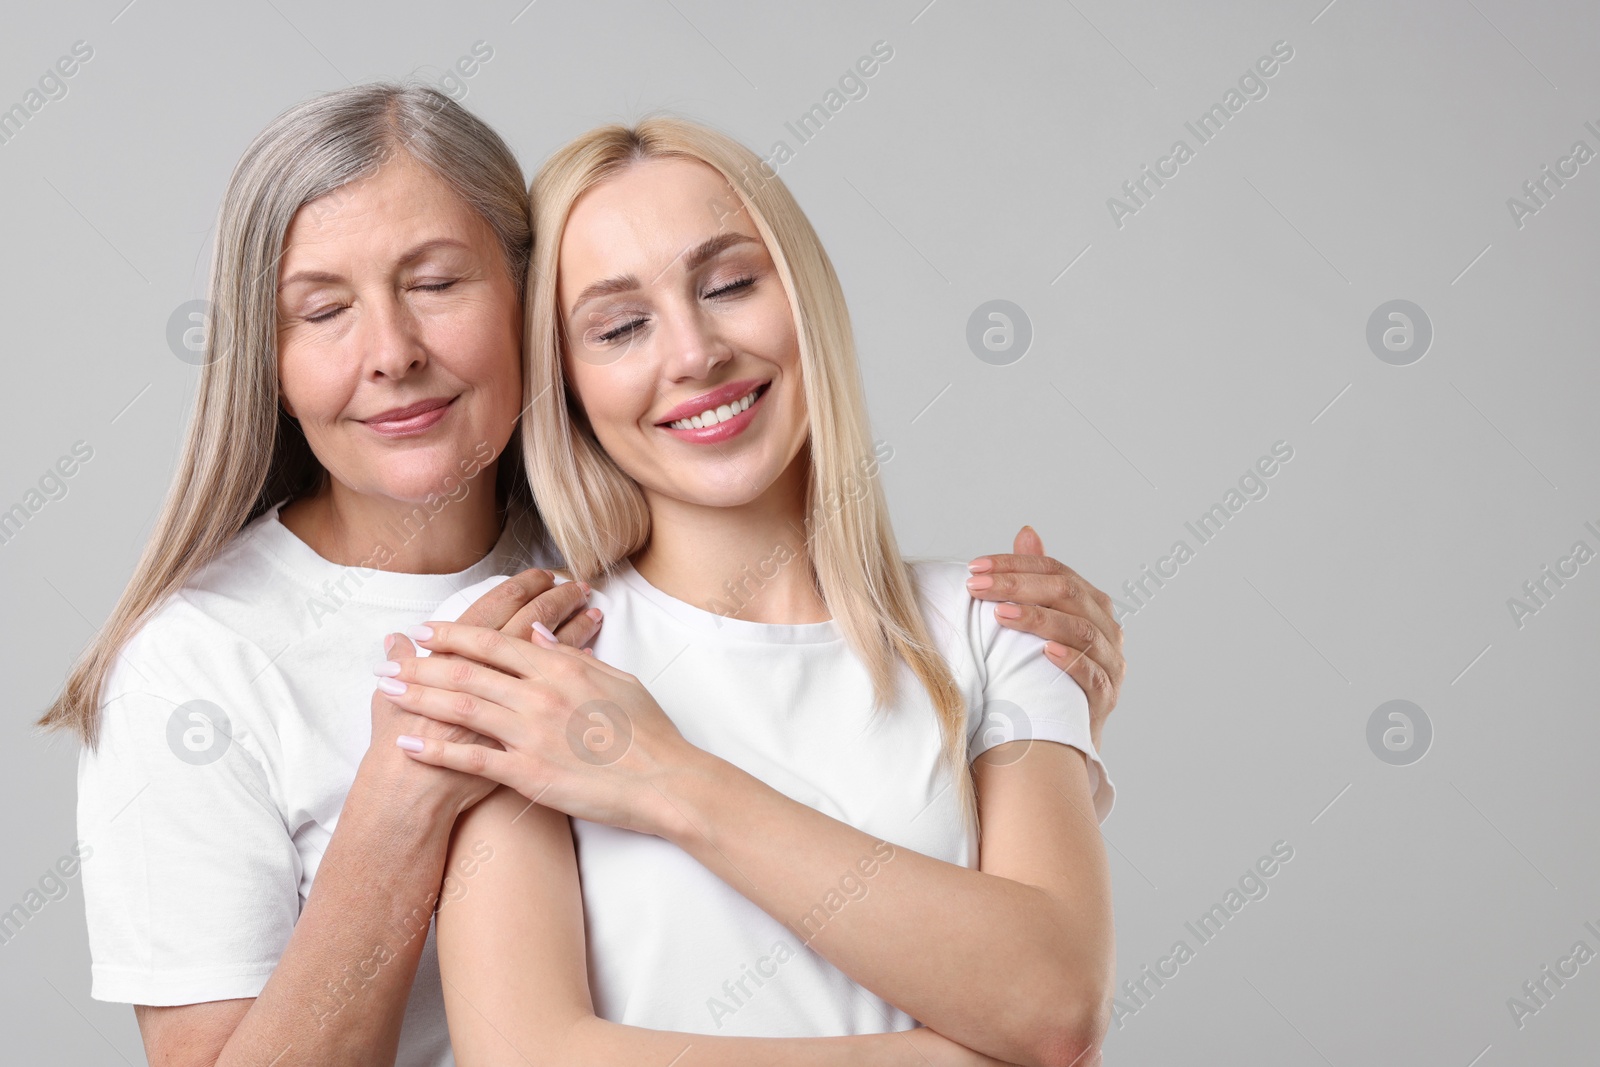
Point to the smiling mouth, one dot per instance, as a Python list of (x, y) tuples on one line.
[(713, 416)]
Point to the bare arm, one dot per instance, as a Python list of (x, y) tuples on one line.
[(511, 950), (1022, 967), (339, 991)]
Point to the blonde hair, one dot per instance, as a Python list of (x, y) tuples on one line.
[(597, 514), (243, 454)]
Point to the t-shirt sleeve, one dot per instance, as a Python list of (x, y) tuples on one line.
[(1027, 697), (190, 877)]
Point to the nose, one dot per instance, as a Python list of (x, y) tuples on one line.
[(390, 338), (692, 343)]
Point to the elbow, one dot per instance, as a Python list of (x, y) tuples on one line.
[(1071, 1030)]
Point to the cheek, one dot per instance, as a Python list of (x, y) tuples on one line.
[(313, 382), (484, 350), (616, 399)]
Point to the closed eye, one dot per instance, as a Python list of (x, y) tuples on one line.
[(621, 331), (733, 286)]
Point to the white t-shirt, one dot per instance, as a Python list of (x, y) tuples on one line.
[(670, 945), (207, 827)]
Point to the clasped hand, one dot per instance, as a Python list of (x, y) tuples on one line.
[(577, 735)]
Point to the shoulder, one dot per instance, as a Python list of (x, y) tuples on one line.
[(946, 604), (202, 626), (210, 648)]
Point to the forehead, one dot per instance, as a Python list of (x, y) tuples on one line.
[(401, 204), (645, 217)]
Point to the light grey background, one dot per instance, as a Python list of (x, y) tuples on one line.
[(1229, 313)]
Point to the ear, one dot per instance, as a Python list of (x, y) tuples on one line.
[(288, 408)]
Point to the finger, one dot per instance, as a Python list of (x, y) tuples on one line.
[(1027, 542), (579, 630), (534, 660), (1074, 631), (1094, 682), (553, 608), (501, 604), (491, 763), (485, 717), (584, 655), (1065, 592), (453, 675), (1018, 563)]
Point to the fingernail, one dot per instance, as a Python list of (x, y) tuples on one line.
[(585, 587), (388, 643), (392, 687), (1055, 648), (588, 652), (594, 613), (1004, 611), (387, 670), (980, 583), (978, 566), (409, 743), (544, 631), (419, 633)]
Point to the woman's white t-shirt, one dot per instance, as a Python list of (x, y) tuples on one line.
[(671, 946), (231, 730)]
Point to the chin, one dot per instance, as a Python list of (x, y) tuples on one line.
[(418, 487)]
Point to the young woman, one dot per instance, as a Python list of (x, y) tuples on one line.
[(778, 838), (265, 860)]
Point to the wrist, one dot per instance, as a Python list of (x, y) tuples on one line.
[(687, 796), (394, 809)]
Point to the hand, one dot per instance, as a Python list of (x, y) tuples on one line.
[(1053, 601), (513, 607), (553, 723)]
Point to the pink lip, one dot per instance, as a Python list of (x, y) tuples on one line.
[(412, 419), (722, 431), (723, 394)]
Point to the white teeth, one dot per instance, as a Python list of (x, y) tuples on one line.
[(721, 414)]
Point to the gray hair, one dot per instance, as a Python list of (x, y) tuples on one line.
[(242, 453)]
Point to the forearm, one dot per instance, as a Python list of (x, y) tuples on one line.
[(997, 965), (595, 1042), (339, 991)]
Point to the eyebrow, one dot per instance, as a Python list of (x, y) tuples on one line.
[(692, 260), (411, 256)]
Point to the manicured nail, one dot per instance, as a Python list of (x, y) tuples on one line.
[(594, 613), (1055, 648), (392, 687), (978, 566), (389, 669), (388, 643), (1004, 611), (419, 633), (980, 583), (544, 631), (409, 743)]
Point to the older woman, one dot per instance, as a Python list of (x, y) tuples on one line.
[(266, 860)]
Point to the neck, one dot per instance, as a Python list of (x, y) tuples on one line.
[(440, 536), (747, 562)]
